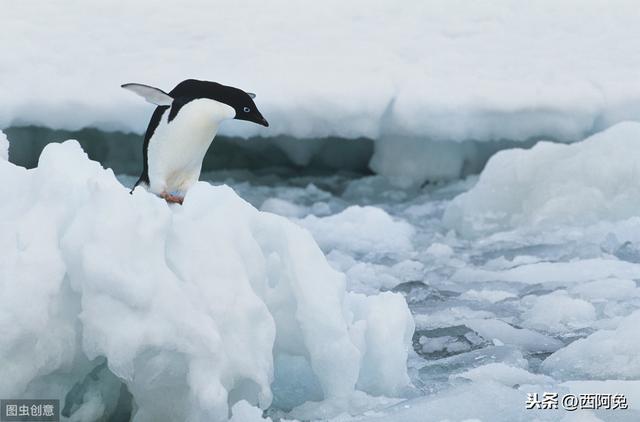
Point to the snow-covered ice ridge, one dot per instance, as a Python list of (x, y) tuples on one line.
[(195, 307), (426, 71)]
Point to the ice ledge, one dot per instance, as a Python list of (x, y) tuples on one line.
[(193, 306), (582, 184)]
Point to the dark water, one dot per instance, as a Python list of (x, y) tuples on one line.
[(123, 151)]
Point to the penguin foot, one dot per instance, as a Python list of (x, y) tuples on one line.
[(175, 199)]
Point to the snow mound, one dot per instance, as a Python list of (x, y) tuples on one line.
[(194, 307), (551, 184), (606, 354)]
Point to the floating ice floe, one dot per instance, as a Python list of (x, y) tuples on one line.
[(504, 374), (195, 307), (577, 271), (604, 355), (350, 231), (553, 184), (557, 313)]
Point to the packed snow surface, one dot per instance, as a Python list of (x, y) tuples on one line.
[(194, 307), (409, 77)]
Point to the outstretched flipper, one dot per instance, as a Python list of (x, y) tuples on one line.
[(151, 94)]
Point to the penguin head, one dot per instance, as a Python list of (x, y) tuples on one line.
[(192, 89)]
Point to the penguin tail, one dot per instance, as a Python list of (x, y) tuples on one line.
[(141, 181)]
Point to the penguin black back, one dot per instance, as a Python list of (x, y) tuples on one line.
[(151, 128)]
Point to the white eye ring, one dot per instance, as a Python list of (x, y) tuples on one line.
[(247, 109)]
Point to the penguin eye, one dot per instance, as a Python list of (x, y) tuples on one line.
[(247, 109)]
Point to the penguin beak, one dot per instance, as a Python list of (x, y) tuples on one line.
[(263, 122)]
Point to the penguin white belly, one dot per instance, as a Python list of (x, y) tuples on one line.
[(177, 148)]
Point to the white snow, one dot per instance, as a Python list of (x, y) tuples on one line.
[(504, 374), (350, 231), (283, 207), (553, 184), (193, 306), (492, 296), (581, 416), (366, 277), (606, 354), (631, 389), (606, 290), (453, 315), (105, 273), (578, 271), (411, 78), (470, 401), (579, 71), (215, 310), (4, 147), (491, 305), (439, 250), (557, 312), (529, 340), (243, 411)]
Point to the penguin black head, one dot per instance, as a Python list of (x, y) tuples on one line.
[(193, 89)]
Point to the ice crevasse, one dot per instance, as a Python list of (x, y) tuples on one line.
[(194, 307)]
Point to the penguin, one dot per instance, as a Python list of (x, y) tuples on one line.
[(183, 127)]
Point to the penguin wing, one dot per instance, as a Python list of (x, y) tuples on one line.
[(151, 94)]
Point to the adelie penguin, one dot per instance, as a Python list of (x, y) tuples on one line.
[(182, 128)]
